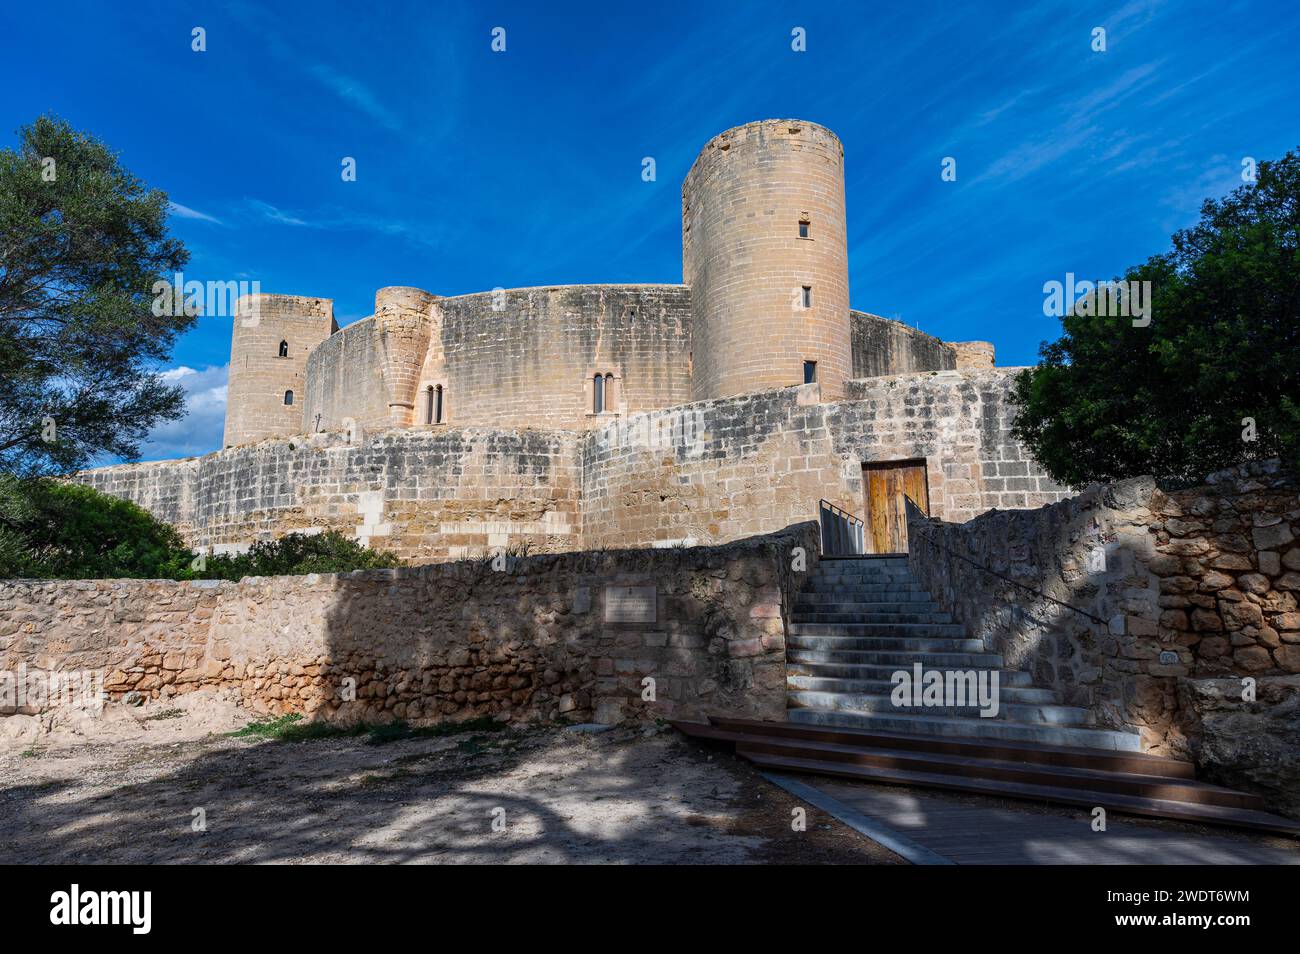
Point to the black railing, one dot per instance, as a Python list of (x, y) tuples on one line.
[(842, 533), (980, 566)]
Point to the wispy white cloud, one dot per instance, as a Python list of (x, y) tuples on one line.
[(272, 214), (185, 212)]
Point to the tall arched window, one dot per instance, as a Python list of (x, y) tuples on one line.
[(437, 406), (611, 396), (284, 349), (288, 398), (597, 393), (428, 404)]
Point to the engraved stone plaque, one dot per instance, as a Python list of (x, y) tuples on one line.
[(630, 604)]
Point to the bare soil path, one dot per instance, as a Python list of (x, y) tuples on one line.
[(130, 789)]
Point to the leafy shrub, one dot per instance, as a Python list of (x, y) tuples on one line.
[(298, 554), (55, 530)]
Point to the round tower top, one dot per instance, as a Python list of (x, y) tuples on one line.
[(766, 129)]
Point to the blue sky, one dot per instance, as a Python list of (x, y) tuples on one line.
[(478, 169)]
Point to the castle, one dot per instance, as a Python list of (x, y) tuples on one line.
[(582, 416)]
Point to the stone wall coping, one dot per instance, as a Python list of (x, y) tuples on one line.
[(613, 562)]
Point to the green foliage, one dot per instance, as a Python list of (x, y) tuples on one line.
[(82, 242), (1108, 400), (55, 530), (50, 529), (298, 554), (291, 728)]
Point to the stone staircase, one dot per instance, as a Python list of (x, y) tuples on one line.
[(858, 621)]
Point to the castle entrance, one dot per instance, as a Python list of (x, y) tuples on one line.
[(885, 485)]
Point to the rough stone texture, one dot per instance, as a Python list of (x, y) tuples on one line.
[(973, 355), (746, 264), (702, 473), (1183, 573), (1251, 745), (453, 640), (511, 358), (427, 495), (882, 346), (259, 376)]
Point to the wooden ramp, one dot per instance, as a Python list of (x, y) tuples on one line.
[(1126, 782)]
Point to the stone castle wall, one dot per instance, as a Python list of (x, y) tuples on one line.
[(425, 495), (509, 358), (540, 639), (702, 473), (882, 346), (727, 469)]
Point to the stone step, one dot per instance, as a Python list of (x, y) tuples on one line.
[(868, 591), (863, 579), (960, 727), (814, 598), (827, 606), (873, 618), (873, 704), (877, 629), (815, 679), (840, 665), (896, 658), (916, 644)]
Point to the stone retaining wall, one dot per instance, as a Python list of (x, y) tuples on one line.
[(532, 638), (1187, 586)]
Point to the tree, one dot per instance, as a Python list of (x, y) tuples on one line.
[(82, 242), (55, 530), (1213, 380)]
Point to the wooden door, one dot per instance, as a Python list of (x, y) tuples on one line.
[(885, 486)]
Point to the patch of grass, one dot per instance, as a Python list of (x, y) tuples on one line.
[(165, 714), (287, 728), (31, 753)]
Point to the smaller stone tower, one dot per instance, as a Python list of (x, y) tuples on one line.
[(273, 335), (405, 318)]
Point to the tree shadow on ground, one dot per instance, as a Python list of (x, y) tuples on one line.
[(562, 799)]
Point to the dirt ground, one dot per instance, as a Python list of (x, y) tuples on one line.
[(125, 788)]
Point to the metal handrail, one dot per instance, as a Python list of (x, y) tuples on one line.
[(992, 572), (842, 532)]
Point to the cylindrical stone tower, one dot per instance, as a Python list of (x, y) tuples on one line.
[(764, 253)]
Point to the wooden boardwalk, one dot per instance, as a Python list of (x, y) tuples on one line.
[(970, 830)]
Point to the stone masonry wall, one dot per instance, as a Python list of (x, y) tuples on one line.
[(1197, 590), (535, 639), (513, 358), (882, 346), (425, 495), (703, 473), (725, 469)]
